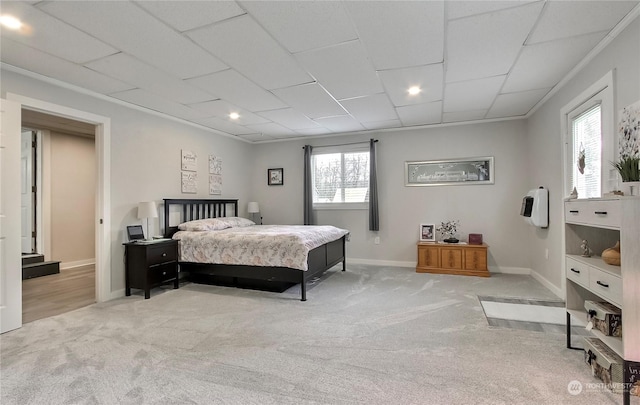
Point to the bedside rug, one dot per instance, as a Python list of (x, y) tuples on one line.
[(528, 314)]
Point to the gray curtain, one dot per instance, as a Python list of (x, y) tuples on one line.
[(308, 184), (374, 219)]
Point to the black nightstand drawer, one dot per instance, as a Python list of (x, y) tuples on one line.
[(161, 254), (161, 273)]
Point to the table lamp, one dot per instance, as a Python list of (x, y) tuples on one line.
[(253, 209), (146, 210)]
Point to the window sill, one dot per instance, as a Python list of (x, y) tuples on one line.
[(340, 206)]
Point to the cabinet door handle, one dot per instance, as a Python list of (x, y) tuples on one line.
[(164, 255), (574, 211), (605, 285), (575, 271), (601, 212), (164, 273)]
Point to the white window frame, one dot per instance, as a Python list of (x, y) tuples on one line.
[(341, 205), (601, 92)]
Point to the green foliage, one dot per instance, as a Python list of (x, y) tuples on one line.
[(628, 168)]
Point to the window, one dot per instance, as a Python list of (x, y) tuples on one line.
[(589, 131), (586, 131), (340, 179)]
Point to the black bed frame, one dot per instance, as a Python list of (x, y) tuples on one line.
[(319, 260)]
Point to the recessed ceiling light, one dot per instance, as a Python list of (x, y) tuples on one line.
[(234, 116), (414, 90), (10, 22)]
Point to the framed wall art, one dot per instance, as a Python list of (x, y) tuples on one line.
[(275, 177), (449, 172)]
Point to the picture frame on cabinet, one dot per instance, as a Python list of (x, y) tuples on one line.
[(427, 233)]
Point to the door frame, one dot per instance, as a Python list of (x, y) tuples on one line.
[(103, 186)]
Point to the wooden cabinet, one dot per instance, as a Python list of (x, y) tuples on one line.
[(149, 265), (448, 258)]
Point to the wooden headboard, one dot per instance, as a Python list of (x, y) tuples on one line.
[(192, 209)]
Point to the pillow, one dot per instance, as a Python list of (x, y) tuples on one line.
[(237, 222), (207, 224)]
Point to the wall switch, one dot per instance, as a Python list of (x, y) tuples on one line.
[(377, 240)]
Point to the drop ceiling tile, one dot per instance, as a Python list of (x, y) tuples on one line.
[(533, 70), (382, 124), (231, 86), (260, 58), (19, 55), (311, 100), (222, 109), (50, 35), (151, 101), (129, 28), (397, 82), (472, 95), (461, 116), (290, 118), (481, 42), (344, 70), (395, 37), (130, 70), (514, 104), (271, 129), (370, 108), (303, 25), (459, 9), (314, 131), (420, 114), (224, 125), (187, 15), (563, 19), (342, 123), (256, 137)]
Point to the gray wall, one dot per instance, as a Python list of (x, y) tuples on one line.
[(492, 210), (544, 140)]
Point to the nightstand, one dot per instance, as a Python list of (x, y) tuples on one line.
[(149, 265)]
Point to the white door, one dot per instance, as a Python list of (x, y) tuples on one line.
[(10, 263), (26, 191)]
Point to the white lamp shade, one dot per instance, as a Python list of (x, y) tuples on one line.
[(253, 207), (147, 209)]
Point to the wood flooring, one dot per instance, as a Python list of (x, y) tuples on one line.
[(56, 294)]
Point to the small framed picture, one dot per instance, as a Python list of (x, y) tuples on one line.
[(275, 177), (427, 233)]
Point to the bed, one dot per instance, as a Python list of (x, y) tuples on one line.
[(277, 270)]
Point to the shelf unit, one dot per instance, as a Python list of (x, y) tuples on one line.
[(603, 222)]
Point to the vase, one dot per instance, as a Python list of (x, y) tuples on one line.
[(612, 255), (631, 188)]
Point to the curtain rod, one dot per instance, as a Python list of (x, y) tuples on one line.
[(342, 144)]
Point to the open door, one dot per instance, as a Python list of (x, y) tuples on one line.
[(27, 188), (10, 235)]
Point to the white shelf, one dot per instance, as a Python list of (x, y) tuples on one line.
[(597, 262), (579, 318)]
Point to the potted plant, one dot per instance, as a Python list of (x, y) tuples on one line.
[(448, 230), (629, 170)]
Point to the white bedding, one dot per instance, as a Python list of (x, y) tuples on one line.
[(257, 245)]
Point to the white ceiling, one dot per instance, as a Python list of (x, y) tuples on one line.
[(296, 69)]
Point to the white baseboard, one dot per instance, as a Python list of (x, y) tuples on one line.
[(552, 287), (78, 263), (510, 270), (370, 262)]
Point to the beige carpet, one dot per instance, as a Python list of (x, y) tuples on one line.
[(371, 335)]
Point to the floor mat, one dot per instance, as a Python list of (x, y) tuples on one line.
[(528, 314)]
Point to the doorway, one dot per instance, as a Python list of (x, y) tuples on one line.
[(59, 248)]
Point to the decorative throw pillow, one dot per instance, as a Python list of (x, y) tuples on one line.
[(238, 222), (207, 224)]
